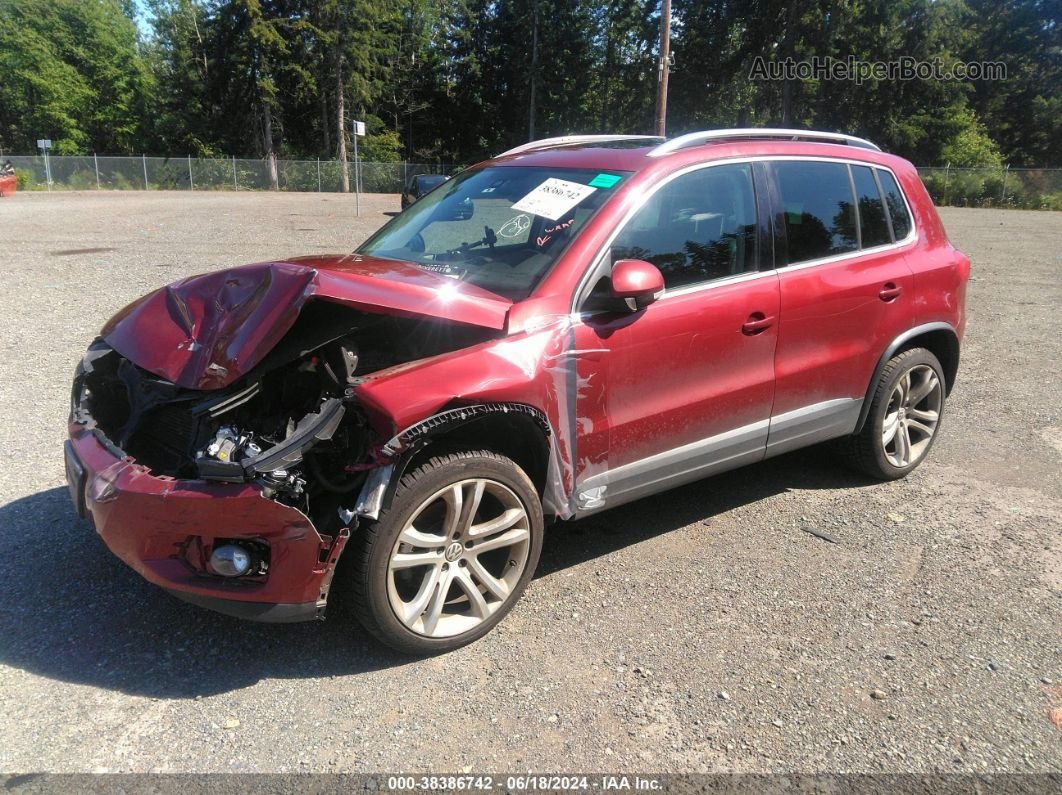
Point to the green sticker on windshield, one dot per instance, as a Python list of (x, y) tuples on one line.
[(604, 181)]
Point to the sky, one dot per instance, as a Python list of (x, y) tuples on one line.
[(142, 17)]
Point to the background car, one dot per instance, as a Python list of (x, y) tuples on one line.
[(418, 185)]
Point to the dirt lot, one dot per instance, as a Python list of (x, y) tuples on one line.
[(700, 630)]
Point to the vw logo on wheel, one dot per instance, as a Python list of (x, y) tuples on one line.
[(454, 551)]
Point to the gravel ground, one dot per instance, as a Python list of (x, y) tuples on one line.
[(701, 630)]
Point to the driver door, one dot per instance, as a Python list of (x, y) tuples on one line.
[(688, 381)]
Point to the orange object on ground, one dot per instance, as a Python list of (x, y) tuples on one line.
[(8, 185)]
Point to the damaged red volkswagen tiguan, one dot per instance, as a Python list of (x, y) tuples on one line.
[(570, 326)]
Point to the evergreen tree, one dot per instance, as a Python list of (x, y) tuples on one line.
[(462, 79), (70, 71)]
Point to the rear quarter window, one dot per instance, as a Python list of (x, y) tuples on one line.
[(894, 201), (873, 226)]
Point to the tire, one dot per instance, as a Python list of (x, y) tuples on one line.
[(448, 580), (904, 418)]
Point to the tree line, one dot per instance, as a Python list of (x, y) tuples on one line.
[(457, 80)]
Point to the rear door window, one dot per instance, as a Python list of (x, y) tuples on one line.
[(820, 218)]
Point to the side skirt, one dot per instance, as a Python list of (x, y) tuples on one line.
[(720, 453), (813, 424)]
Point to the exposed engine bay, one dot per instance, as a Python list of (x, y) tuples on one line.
[(291, 424)]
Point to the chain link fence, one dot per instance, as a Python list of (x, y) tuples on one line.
[(1028, 188), (197, 173)]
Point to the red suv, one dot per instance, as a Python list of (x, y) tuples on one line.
[(572, 325)]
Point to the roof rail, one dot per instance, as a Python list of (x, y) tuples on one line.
[(759, 133), (565, 140)]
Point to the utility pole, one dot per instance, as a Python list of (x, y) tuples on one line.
[(534, 72), (663, 67)]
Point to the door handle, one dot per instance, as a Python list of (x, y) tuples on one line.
[(889, 292), (756, 324)]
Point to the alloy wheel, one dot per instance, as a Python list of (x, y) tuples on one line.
[(912, 416), (459, 558)]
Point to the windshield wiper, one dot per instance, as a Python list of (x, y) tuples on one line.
[(489, 239)]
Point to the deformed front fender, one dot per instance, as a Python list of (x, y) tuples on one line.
[(532, 372), (447, 420), (380, 485)]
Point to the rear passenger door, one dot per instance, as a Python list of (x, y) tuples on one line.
[(845, 295)]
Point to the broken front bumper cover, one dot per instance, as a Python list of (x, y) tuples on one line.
[(162, 528)]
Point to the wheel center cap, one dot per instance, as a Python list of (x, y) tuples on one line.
[(903, 413), (454, 551)]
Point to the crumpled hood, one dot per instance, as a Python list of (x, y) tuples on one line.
[(204, 332)]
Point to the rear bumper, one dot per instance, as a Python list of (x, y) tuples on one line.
[(165, 529)]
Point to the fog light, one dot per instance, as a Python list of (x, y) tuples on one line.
[(230, 561)]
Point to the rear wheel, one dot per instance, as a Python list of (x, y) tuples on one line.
[(451, 556), (904, 418)]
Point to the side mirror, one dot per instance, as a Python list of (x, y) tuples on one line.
[(637, 282)]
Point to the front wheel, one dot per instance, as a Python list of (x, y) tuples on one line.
[(904, 418), (451, 555)]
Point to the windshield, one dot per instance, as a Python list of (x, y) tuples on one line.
[(500, 228)]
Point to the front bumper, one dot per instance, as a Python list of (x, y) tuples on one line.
[(254, 611), (165, 529)]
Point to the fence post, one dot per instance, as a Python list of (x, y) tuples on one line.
[(1003, 198), (947, 175), (191, 182), (235, 183), (143, 160), (96, 165), (318, 175)]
